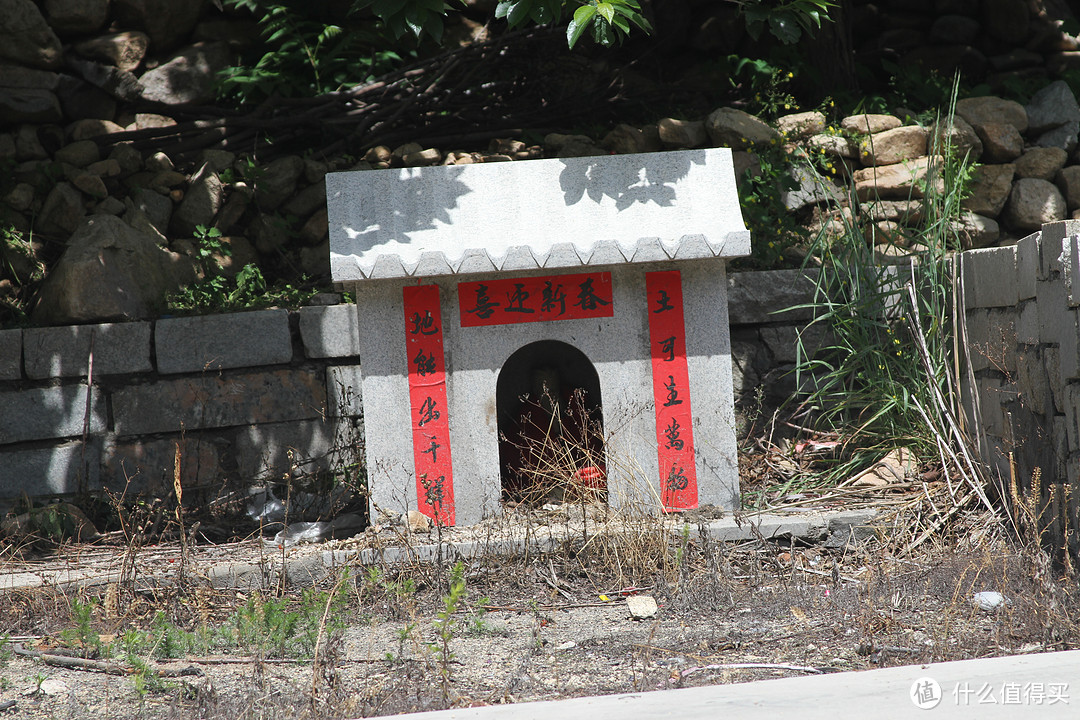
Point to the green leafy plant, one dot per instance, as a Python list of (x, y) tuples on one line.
[(247, 291), (307, 51), (772, 226), (786, 20), (446, 626)]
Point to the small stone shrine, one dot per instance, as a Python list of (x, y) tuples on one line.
[(570, 293)]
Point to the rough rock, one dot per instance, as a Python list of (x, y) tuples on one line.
[(146, 121), (976, 231), (113, 81), (982, 110), (26, 37), (1032, 203), (167, 22), (201, 203), (188, 77), (108, 272), (566, 146), (128, 157), (124, 50), (80, 153), (868, 124), (954, 29), (990, 189), (1064, 137), (1052, 107), (29, 105), (157, 207), (278, 182), (1002, 142), (810, 189), (728, 127), (76, 17), (1068, 181), (421, 158), (62, 211), (624, 140), (834, 145), (892, 146), (957, 132), (682, 133), (799, 126), (899, 181), (91, 128), (1041, 162), (904, 211), (307, 201)]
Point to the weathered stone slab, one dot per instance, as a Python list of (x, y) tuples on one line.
[(10, 354), (47, 413), (219, 401), (763, 297), (65, 351), (215, 342), (275, 451), (990, 277), (386, 223), (49, 471), (149, 464), (343, 387), (330, 331)]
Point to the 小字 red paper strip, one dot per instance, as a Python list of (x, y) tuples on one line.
[(535, 299), (671, 391), (427, 403)]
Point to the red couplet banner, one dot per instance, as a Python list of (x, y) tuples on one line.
[(535, 299), (671, 391), (427, 401)]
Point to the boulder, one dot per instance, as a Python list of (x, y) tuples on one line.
[(867, 124), (834, 145), (201, 203), (1033, 203), (157, 208), (958, 133), (892, 146), (123, 50), (976, 231), (1001, 142), (109, 272), (800, 126), (91, 128), (624, 140), (728, 127), (1041, 162), (900, 181), (1052, 106), (1068, 181), (278, 182), (80, 153), (990, 187), (188, 77), (29, 105), (982, 110), (682, 133), (25, 37), (62, 211), (76, 17), (810, 189)]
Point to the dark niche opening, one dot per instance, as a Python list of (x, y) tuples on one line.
[(551, 425)]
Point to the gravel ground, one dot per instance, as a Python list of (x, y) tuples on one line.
[(542, 628)]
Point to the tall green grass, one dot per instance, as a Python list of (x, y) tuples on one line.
[(885, 374)]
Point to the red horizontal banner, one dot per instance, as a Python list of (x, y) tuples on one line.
[(535, 299), (427, 403), (671, 391)]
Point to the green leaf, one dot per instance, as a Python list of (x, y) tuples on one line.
[(606, 11), (582, 18), (784, 29), (503, 8), (519, 13)]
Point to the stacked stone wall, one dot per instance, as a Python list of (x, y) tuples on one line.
[(241, 397), (1022, 313)]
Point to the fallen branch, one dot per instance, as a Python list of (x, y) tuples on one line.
[(102, 666)]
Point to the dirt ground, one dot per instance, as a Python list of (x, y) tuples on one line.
[(531, 628)]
